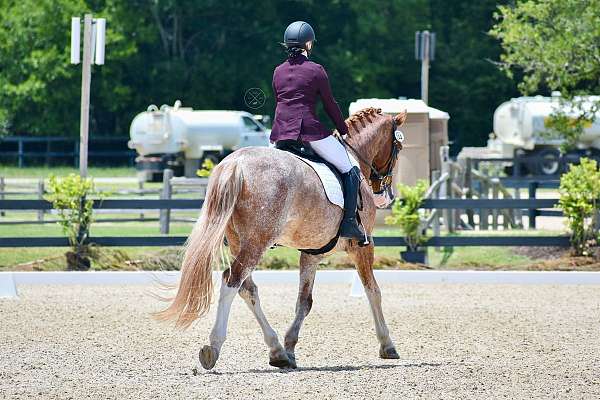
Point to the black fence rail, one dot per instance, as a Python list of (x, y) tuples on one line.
[(110, 204), (63, 150), (533, 205), (384, 241), (196, 204)]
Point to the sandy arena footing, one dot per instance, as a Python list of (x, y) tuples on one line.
[(455, 341)]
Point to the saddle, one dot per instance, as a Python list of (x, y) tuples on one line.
[(303, 150)]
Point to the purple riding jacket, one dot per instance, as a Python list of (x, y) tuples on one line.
[(297, 84)]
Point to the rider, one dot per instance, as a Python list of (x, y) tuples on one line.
[(297, 83)]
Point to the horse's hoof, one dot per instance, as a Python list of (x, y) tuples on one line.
[(208, 357), (280, 360), (389, 353), (292, 359)]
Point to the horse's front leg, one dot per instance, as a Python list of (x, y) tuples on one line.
[(277, 355), (308, 269), (363, 258)]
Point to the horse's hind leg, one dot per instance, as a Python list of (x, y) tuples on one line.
[(363, 258), (231, 282), (308, 268), (277, 355)]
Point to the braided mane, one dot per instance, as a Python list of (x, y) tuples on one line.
[(362, 118)]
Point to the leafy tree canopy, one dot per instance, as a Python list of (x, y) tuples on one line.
[(554, 45), (208, 53)]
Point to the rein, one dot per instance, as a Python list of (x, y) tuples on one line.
[(383, 179)]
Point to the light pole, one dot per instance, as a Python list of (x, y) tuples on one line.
[(93, 42), (425, 52)]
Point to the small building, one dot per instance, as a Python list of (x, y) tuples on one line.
[(425, 131)]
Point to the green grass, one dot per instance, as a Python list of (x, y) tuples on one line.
[(456, 258), (11, 171), (11, 257), (100, 229), (476, 258), (286, 258)]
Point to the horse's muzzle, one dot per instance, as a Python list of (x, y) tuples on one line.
[(383, 198)]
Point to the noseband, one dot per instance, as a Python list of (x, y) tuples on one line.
[(382, 180)]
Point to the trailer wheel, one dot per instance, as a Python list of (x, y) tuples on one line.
[(548, 163)]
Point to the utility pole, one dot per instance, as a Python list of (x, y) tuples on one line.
[(93, 42), (86, 78), (425, 52)]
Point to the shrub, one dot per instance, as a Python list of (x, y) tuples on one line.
[(579, 193), (69, 197), (206, 170), (405, 213)]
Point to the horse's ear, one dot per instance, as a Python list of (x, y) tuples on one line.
[(400, 118)]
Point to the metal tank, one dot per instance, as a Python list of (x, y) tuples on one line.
[(180, 138), (521, 127), (521, 123)]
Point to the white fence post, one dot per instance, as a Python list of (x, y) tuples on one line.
[(165, 214), (517, 212), (495, 183), (446, 186), (435, 223), (8, 288), (40, 189)]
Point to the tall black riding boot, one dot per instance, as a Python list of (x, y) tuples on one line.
[(350, 228)]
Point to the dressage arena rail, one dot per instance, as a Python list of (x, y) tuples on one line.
[(190, 204)]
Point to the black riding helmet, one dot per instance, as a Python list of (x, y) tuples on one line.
[(297, 34)]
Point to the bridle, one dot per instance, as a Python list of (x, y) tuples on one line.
[(381, 181)]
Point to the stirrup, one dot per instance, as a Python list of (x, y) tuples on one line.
[(367, 240)]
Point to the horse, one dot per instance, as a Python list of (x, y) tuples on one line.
[(258, 197)]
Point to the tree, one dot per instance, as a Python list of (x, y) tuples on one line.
[(464, 82), (39, 88), (554, 45), (207, 53)]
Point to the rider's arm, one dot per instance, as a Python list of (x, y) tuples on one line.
[(329, 103), (273, 85)]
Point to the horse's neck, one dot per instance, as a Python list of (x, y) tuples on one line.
[(367, 145)]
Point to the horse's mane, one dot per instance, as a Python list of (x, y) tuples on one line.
[(358, 121)]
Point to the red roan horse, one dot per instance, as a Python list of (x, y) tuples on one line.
[(258, 197)]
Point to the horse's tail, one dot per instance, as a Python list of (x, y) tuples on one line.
[(202, 248)]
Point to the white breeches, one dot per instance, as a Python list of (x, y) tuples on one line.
[(333, 151)]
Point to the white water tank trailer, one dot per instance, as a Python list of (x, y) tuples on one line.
[(521, 126), (181, 138)]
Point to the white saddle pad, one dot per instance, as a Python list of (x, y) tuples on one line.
[(333, 189)]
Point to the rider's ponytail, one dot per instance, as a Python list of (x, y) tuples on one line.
[(293, 51)]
